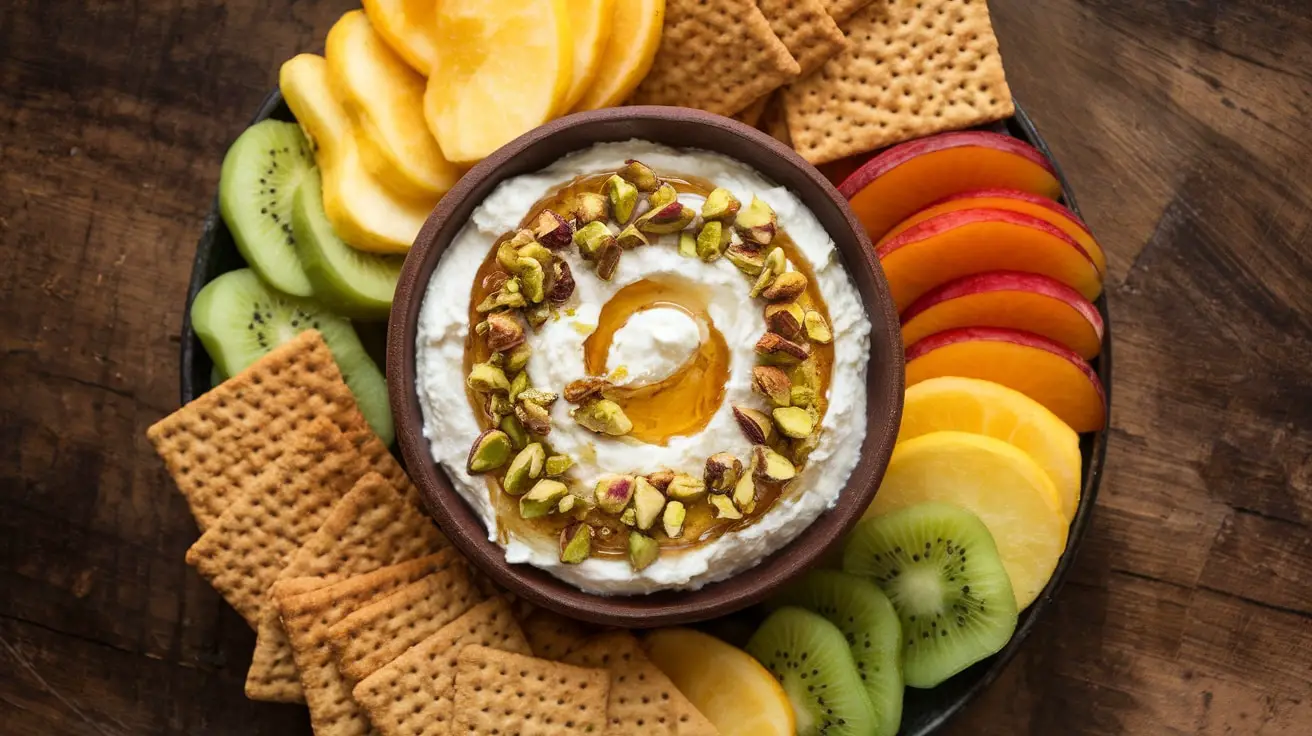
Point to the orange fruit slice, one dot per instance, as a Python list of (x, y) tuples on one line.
[(983, 407), (408, 27), (1001, 485), (725, 683), (591, 22), (635, 37), (502, 68)]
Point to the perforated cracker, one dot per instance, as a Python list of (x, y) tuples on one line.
[(751, 115), (911, 69), (413, 694), (642, 699), (307, 616), (552, 635), (216, 445), (370, 528), (806, 30), (243, 552), (715, 55), (500, 692), (380, 632), (841, 10)]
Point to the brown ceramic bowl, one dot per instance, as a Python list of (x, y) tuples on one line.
[(679, 128)]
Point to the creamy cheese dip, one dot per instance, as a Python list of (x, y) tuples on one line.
[(450, 423)]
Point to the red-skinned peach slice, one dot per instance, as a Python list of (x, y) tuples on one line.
[(906, 178), (1015, 200), (1033, 365), (966, 242), (1009, 299)]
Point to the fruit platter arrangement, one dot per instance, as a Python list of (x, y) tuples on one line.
[(641, 367)]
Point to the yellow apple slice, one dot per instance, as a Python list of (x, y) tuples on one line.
[(408, 27), (1001, 485), (502, 68), (987, 408), (362, 210), (730, 688), (635, 37), (385, 99), (590, 25)]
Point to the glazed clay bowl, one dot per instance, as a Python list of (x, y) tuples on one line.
[(678, 128)]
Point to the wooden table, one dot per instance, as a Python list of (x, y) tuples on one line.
[(1182, 124)]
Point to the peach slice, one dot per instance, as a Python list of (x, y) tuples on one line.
[(906, 178), (961, 243), (1015, 200), (991, 409), (1021, 301), (1033, 365), (1001, 485), (408, 26)]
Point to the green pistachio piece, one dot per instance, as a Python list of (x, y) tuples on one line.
[(757, 223), (508, 256), (603, 416), (744, 493), (687, 245), (629, 517), (575, 543), (613, 493), (773, 383), (756, 425), (538, 396), (592, 238), (664, 194), (623, 198), (524, 469), (801, 396), (566, 504), (514, 430), (816, 329), (542, 498), (486, 377), (517, 358), (643, 551), (591, 207), (558, 464), (785, 320), (793, 422), (553, 231), (723, 508), (491, 450), (647, 503), (745, 259), (533, 278), (517, 386), (722, 471), (771, 466), (640, 175), (535, 417), (805, 374), (670, 218), (720, 205), (685, 488), (539, 252), (712, 240), (631, 237), (672, 519)]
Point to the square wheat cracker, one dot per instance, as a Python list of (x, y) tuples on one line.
[(911, 69), (216, 445), (370, 528), (381, 631), (805, 29), (551, 635), (841, 10), (413, 694), (307, 617), (500, 692), (715, 55)]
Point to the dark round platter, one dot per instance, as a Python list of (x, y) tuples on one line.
[(925, 711)]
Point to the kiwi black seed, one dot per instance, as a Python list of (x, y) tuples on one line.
[(940, 568), (812, 662), (261, 174), (239, 319), (871, 627)]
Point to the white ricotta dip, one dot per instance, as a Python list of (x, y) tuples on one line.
[(450, 424)]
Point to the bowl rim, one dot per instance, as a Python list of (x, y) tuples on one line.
[(885, 371)]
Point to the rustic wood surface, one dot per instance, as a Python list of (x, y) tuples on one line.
[(1182, 124)]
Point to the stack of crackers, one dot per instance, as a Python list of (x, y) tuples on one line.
[(833, 78), (363, 611)]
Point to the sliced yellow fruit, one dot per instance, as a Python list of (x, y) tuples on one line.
[(502, 68), (385, 99), (360, 207), (408, 27), (983, 407), (1000, 484), (725, 683), (634, 39), (590, 25)]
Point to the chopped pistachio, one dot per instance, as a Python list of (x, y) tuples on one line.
[(552, 230), (508, 256), (687, 245), (712, 240), (793, 422), (685, 488), (608, 259), (631, 237), (491, 450), (603, 416), (498, 406), (502, 299), (802, 396), (756, 425), (591, 207), (524, 469), (720, 205), (517, 386), (629, 517), (576, 392), (647, 503), (745, 259), (723, 508), (785, 320), (486, 377), (558, 464), (664, 194), (533, 280), (771, 466), (772, 383), (517, 359), (561, 286), (800, 450), (535, 418), (776, 350), (566, 504), (538, 396), (592, 238), (670, 218), (744, 493), (816, 329), (623, 197), (640, 175), (787, 286), (542, 498), (757, 223), (514, 430), (805, 374), (672, 519), (503, 332), (575, 543), (763, 281), (643, 551), (661, 479), (537, 315), (775, 261), (614, 492), (722, 471), (538, 252)]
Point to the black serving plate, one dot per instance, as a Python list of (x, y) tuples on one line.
[(925, 711)]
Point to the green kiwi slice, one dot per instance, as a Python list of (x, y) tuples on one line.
[(873, 632), (940, 568), (810, 658), (260, 176), (352, 283), (238, 319)]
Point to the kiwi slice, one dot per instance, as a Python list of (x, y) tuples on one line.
[(238, 319), (261, 173), (810, 658), (940, 568), (352, 283), (874, 634)]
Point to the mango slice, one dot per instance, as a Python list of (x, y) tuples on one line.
[(407, 25), (590, 24), (502, 68), (385, 99), (635, 37), (360, 207)]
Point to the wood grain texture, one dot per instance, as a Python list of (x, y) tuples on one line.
[(1183, 125)]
